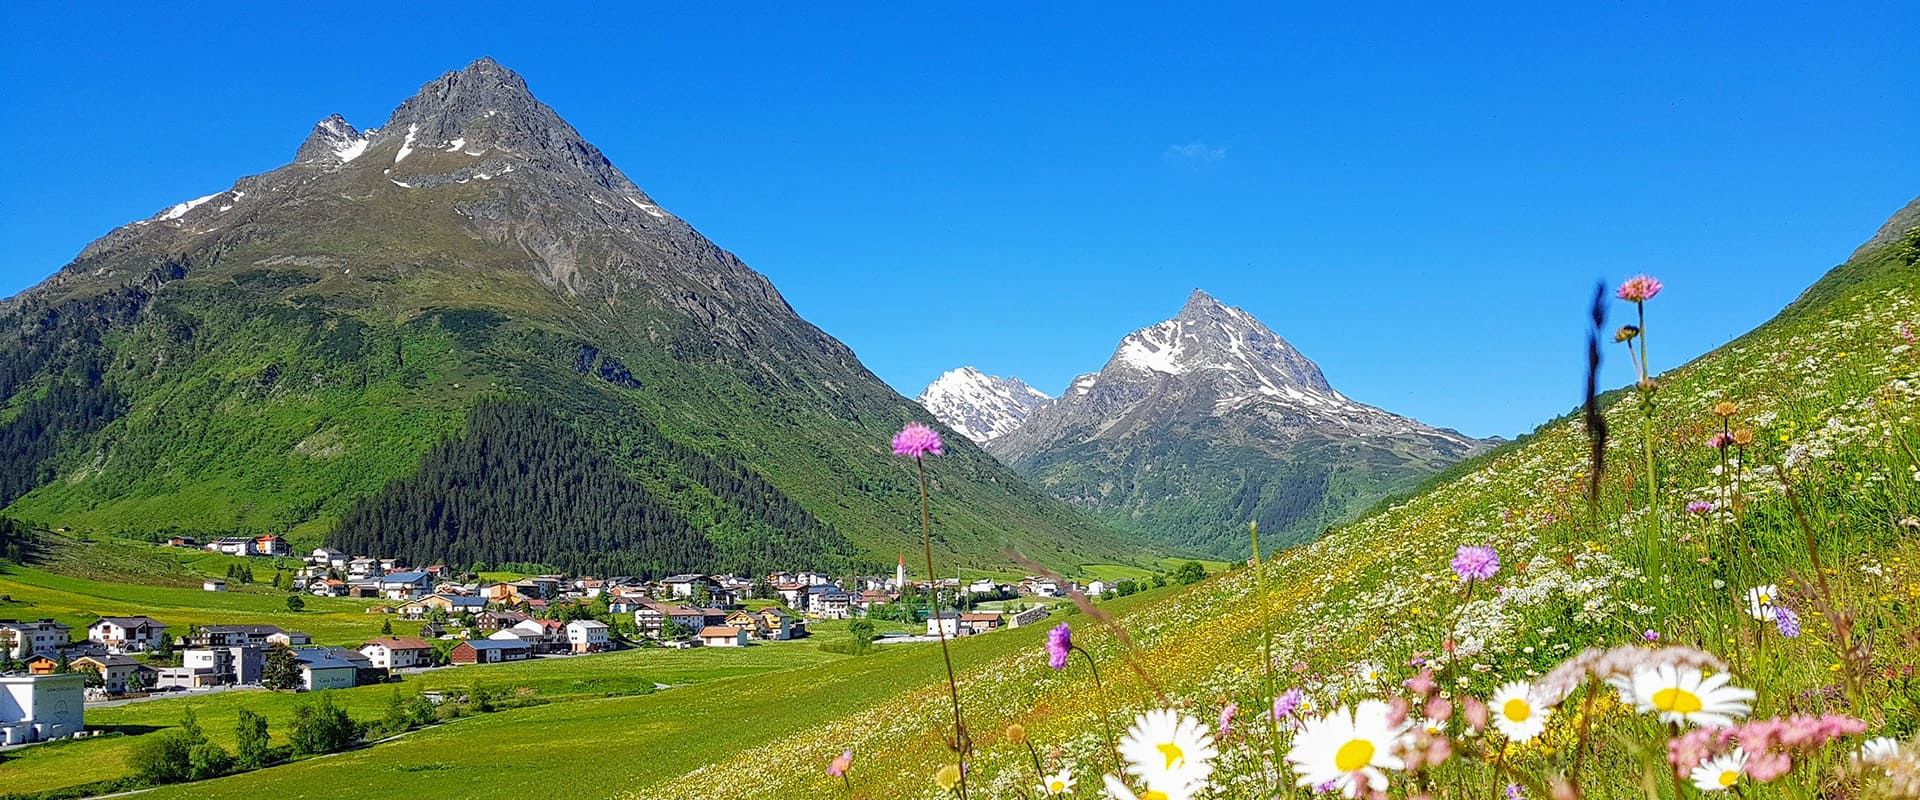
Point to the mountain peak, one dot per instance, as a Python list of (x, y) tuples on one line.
[(979, 406), (332, 138), (1211, 342), (1198, 303)]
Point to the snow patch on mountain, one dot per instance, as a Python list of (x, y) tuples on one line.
[(979, 406)]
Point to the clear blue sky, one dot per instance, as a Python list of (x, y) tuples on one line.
[(1418, 202)]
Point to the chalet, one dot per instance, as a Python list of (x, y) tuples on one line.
[(326, 669), (685, 585), (495, 620), (587, 636), (626, 605), (24, 640), (289, 639), (127, 634), (270, 546), (361, 568), (397, 652), (327, 587), (828, 601), (406, 585), (652, 618), (793, 594), (755, 626), (1040, 587), (723, 636), (781, 624), (182, 541), (213, 585), (116, 671), (972, 623), (231, 545), (488, 651), (983, 586), (328, 558), (37, 708)]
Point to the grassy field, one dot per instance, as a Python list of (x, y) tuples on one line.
[(83, 579)]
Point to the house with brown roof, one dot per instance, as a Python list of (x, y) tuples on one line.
[(723, 636), (397, 652), (489, 651)]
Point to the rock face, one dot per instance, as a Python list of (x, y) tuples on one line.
[(979, 406), (473, 247), (1209, 420)]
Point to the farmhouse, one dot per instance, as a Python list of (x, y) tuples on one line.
[(270, 546), (397, 652), (35, 708), (489, 651), (127, 634), (979, 623), (723, 636), (24, 640), (213, 585)]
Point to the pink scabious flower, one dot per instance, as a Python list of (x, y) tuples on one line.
[(1226, 717), (1700, 507), (1787, 620), (1767, 742), (916, 441), (1720, 441), (1475, 563), (1059, 646), (1650, 635), (1287, 703), (838, 766), (1639, 289)]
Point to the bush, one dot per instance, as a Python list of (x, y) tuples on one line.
[(250, 733), (164, 757), (208, 760), (322, 727)]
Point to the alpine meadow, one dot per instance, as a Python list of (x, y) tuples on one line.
[(445, 460)]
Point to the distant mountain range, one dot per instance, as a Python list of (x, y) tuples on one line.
[(465, 336), (1198, 425)]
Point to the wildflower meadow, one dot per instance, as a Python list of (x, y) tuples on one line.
[(1710, 585)]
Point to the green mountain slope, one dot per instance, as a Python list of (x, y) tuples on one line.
[(267, 358)]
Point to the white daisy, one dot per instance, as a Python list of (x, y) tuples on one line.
[(1719, 774), (1117, 790), (1761, 601), (1685, 695), (1170, 752), (1877, 751), (1329, 750), (1370, 674), (1516, 713), (1057, 784)]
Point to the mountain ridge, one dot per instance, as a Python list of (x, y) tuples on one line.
[(278, 352)]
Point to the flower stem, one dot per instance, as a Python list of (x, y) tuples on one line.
[(1113, 750), (960, 742), (1266, 640)]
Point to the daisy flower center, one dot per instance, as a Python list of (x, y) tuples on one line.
[(1056, 787), (1676, 700), (1353, 755), (1727, 777), (1517, 710), (1154, 794), (1173, 753)]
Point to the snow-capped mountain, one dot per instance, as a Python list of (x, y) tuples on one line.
[(979, 406), (1210, 419)]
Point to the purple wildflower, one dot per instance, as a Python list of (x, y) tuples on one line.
[(1699, 507), (1513, 792), (1787, 620), (1650, 635), (1475, 563), (1720, 441), (1287, 703), (1226, 717), (838, 767), (1059, 646), (916, 441)]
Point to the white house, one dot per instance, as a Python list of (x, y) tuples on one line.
[(213, 585), (397, 652), (406, 585), (1096, 588), (686, 585), (24, 640), (328, 557), (945, 623), (586, 636), (127, 634), (35, 708), (289, 638)]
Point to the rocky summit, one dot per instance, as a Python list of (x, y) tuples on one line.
[(1210, 419), (979, 406), (423, 337)]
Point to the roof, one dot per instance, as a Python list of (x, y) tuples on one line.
[(979, 617), (495, 644), (587, 623), (322, 659), (128, 622), (415, 576), (263, 630), (110, 660), (399, 643), (687, 578), (719, 631)]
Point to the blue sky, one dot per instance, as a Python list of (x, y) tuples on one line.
[(1420, 203)]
